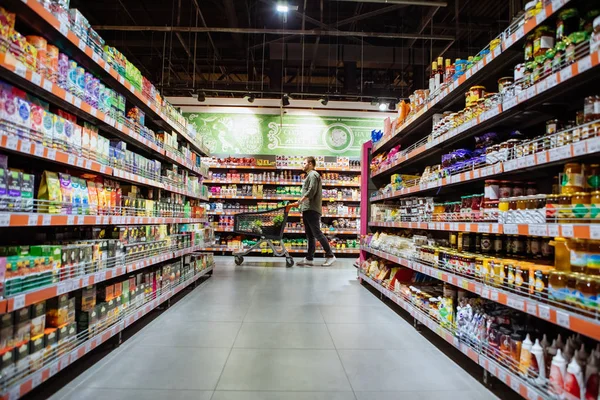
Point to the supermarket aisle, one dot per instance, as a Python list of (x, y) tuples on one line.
[(253, 333)]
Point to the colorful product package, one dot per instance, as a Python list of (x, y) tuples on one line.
[(85, 142), (36, 118), (63, 71), (77, 206), (72, 77), (66, 190), (88, 91), (93, 197), (80, 79), (76, 139), (27, 188), (23, 118), (52, 71), (59, 140), (48, 128), (51, 192), (14, 190)]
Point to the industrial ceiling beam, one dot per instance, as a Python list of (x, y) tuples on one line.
[(309, 32), (405, 2)]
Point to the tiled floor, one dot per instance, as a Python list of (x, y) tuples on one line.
[(264, 332)]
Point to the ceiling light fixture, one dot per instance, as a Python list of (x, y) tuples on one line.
[(283, 8), (392, 105), (249, 97), (324, 100), (382, 106), (285, 100), (201, 98)]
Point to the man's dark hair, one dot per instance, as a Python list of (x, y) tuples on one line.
[(311, 160)]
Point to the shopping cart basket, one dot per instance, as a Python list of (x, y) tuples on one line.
[(268, 226)]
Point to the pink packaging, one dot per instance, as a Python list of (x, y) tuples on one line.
[(63, 71)]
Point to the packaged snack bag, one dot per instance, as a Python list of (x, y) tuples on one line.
[(66, 190), (36, 118), (48, 128), (27, 185), (59, 139), (3, 189), (92, 197), (50, 191), (14, 190)]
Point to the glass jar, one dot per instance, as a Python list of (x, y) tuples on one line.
[(557, 286), (578, 254), (543, 39), (562, 257), (552, 126), (572, 179), (595, 206), (511, 273), (522, 277), (486, 244), (552, 206), (497, 245), (492, 190), (587, 292), (564, 207), (548, 58), (518, 189), (531, 189), (539, 281), (593, 259), (592, 176), (567, 23), (572, 41), (580, 204), (538, 70)]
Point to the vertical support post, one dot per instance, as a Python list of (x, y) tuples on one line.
[(365, 178)]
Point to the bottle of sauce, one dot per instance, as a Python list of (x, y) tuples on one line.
[(439, 76), (525, 359), (558, 370), (574, 388), (434, 70)]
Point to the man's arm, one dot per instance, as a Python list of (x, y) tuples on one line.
[(311, 189)]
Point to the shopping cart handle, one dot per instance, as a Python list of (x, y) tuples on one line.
[(289, 207)]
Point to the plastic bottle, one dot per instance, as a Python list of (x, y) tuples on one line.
[(557, 374), (550, 353), (574, 387), (591, 378), (537, 370), (525, 359)]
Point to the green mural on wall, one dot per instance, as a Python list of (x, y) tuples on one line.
[(226, 134)]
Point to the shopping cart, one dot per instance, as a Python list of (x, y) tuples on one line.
[(268, 226)]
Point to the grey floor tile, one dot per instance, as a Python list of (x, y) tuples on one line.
[(241, 395), (284, 370), (206, 312), (170, 368), (283, 335), (191, 334), (376, 336), (379, 314), (284, 313), (400, 370), (85, 393)]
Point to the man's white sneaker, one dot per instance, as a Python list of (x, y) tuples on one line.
[(305, 263), (329, 261)]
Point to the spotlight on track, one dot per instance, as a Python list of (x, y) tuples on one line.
[(201, 98), (324, 100), (392, 105), (382, 106), (249, 97), (285, 100)]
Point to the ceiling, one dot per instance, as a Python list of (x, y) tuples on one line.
[(345, 48)]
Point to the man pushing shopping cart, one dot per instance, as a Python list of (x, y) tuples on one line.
[(270, 225)]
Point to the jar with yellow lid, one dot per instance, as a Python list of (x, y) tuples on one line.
[(572, 179), (595, 206), (562, 257), (522, 277)]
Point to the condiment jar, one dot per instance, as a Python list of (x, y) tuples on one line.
[(557, 286), (595, 206), (578, 249), (581, 207), (505, 188), (573, 179), (593, 259), (543, 39)]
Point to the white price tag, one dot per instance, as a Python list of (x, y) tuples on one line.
[(552, 80), (18, 302), (488, 58), (553, 230), (93, 111), (515, 384), (584, 64), (36, 78), (538, 230), (63, 287), (542, 86), (39, 151), (69, 97), (85, 281), (497, 51), (511, 229), (595, 232), (80, 162), (88, 347), (51, 154), (48, 85), (544, 312), (493, 295), (20, 69), (64, 29), (483, 228), (522, 96), (567, 230), (531, 92), (520, 32), (510, 165), (46, 220), (515, 303), (502, 375), (71, 220), (81, 44), (14, 392), (73, 356), (71, 159), (579, 148), (100, 276), (531, 393), (26, 146), (556, 4), (32, 220), (75, 284), (53, 369), (560, 153), (531, 308), (95, 57), (510, 103), (520, 163), (36, 379), (593, 145), (540, 17), (106, 67), (566, 73), (63, 363), (12, 142), (77, 102), (4, 219), (542, 158), (563, 319)]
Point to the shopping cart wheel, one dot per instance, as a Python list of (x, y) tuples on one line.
[(289, 262), (239, 260)]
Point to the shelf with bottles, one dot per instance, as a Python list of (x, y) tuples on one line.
[(514, 154), (449, 81), (291, 163), (509, 206), (49, 336), (536, 362), (39, 272), (296, 245), (88, 51), (329, 210), (257, 191), (298, 230), (281, 178), (529, 274)]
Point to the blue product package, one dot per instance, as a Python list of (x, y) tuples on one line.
[(72, 77), (95, 91), (88, 92), (101, 94)]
